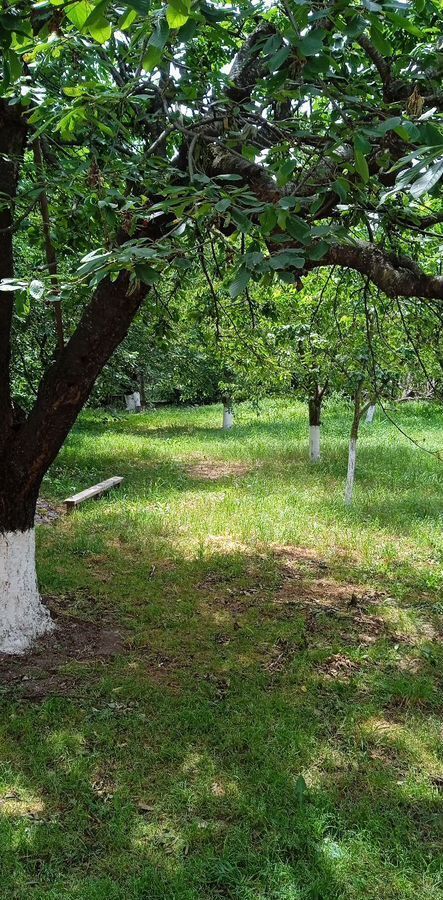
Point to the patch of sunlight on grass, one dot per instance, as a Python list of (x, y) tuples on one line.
[(21, 804)]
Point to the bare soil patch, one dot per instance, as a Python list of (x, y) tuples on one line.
[(211, 470), (339, 666), (40, 673), (46, 512), (306, 587), (280, 656)]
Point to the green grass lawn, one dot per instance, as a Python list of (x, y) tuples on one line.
[(271, 728)]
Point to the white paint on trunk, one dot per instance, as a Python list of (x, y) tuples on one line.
[(133, 402), (23, 618), (228, 417), (314, 443), (370, 414), (352, 458)]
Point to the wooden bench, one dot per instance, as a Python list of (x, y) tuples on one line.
[(95, 491)]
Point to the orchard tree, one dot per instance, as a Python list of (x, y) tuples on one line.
[(307, 341), (369, 357), (292, 124)]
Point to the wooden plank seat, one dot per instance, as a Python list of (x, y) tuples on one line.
[(95, 491)]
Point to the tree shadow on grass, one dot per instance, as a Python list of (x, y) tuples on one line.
[(258, 738)]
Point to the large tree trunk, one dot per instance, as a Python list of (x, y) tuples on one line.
[(23, 618), (28, 445), (22, 615)]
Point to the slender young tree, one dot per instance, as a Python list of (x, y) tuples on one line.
[(360, 408)]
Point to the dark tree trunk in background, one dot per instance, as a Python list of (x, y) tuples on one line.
[(315, 405), (51, 257), (314, 411)]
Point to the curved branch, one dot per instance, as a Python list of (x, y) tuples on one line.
[(395, 276)]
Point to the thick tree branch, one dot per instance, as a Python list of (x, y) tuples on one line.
[(395, 276)]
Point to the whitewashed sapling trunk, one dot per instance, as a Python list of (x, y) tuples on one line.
[(23, 618), (228, 417), (350, 478), (359, 411), (370, 414), (228, 412), (133, 402), (314, 443)]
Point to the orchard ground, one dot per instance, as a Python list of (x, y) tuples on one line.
[(244, 695)]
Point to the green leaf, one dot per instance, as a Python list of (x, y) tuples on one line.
[(318, 250), (222, 205), (151, 58), (380, 42), (147, 274), (288, 202), (268, 219), (361, 144), (22, 303), (388, 125), (238, 286), (430, 135), (160, 35), (427, 181), (279, 58), (79, 13), (126, 19), (408, 131), (101, 31), (341, 187), (301, 789), (97, 14), (312, 43), (287, 259), (298, 229), (140, 6), (175, 18), (361, 165), (242, 221), (405, 24), (285, 171)]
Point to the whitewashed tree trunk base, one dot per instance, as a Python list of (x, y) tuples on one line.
[(314, 443), (133, 402), (228, 417), (352, 458), (370, 414), (23, 618)]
